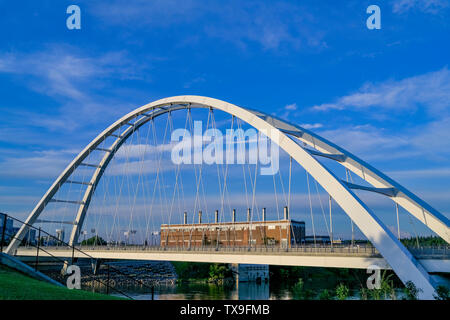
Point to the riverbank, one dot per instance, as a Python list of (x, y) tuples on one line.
[(17, 286)]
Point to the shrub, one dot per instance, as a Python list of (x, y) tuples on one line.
[(442, 293), (411, 291), (342, 291)]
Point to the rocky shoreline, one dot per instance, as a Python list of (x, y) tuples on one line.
[(119, 274)]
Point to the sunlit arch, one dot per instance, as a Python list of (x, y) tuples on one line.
[(283, 134)]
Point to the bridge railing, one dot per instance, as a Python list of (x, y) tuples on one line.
[(358, 249), (41, 247), (305, 249), (435, 252)]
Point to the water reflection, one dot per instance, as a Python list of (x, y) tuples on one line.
[(252, 291), (203, 291)]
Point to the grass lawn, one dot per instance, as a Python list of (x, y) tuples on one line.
[(17, 286)]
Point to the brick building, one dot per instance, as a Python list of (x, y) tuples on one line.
[(282, 233)]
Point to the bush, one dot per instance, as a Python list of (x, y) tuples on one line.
[(442, 293), (300, 293), (363, 293), (95, 240), (410, 290), (192, 270), (325, 295), (342, 291), (219, 272)]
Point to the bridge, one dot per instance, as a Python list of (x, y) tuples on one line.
[(319, 158), (359, 257)]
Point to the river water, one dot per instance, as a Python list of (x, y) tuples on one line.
[(209, 291)]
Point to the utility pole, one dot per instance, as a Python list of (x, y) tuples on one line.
[(331, 225), (37, 249), (5, 219)]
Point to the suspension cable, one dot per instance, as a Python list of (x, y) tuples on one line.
[(311, 209)]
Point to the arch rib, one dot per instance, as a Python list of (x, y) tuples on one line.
[(421, 210), (399, 258)]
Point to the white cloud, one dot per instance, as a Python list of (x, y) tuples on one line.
[(434, 138), (311, 126), (61, 70), (140, 167), (142, 150), (287, 111), (13, 200), (428, 142), (369, 142), (292, 106), (421, 173), (270, 25), (430, 90), (427, 6), (39, 164), (72, 78), (427, 139)]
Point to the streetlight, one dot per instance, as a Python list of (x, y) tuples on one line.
[(84, 233), (128, 233)]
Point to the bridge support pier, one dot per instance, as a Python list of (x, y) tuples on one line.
[(250, 272), (95, 265)]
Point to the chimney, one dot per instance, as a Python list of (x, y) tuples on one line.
[(200, 216), (286, 213), (234, 216), (249, 214), (185, 218), (216, 220), (264, 214)]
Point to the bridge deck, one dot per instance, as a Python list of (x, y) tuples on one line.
[(341, 257)]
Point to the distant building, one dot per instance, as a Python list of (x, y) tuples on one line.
[(29, 238), (10, 231), (60, 233), (284, 233), (318, 239), (9, 226)]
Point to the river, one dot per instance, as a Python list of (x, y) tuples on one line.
[(209, 291)]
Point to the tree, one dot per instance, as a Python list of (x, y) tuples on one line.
[(298, 288), (387, 286), (424, 241), (300, 292), (95, 240), (342, 291), (363, 293), (411, 291), (442, 293), (325, 295), (218, 272), (192, 270), (375, 294)]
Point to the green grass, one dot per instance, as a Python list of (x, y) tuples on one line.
[(17, 286)]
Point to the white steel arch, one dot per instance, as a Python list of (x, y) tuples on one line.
[(398, 257)]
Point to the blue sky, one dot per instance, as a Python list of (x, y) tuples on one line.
[(382, 94)]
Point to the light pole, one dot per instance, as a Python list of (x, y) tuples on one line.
[(84, 233)]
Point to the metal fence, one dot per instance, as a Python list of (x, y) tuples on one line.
[(40, 247)]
